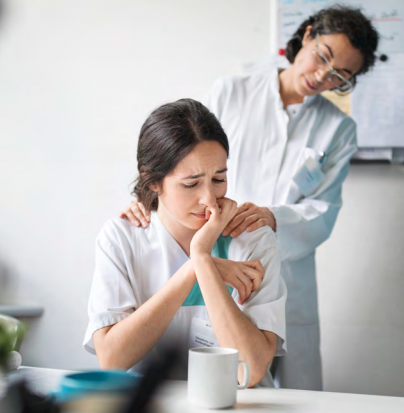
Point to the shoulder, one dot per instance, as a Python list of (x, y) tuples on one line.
[(115, 229), (248, 244), (246, 83), (241, 85), (120, 233), (230, 96)]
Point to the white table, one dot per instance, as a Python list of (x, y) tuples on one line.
[(173, 398)]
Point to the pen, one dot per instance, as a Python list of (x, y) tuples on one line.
[(322, 156)]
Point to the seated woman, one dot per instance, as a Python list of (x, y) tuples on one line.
[(167, 283)]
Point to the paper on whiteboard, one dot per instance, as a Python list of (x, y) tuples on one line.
[(386, 15), (388, 18), (291, 13), (377, 105)]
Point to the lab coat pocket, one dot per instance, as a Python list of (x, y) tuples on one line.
[(309, 175)]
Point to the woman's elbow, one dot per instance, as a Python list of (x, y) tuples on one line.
[(257, 374), (108, 361), (260, 365)]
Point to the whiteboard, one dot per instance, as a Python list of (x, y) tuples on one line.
[(386, 15), (377, 102)]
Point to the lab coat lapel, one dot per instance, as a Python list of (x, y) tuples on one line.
[(173, 255)]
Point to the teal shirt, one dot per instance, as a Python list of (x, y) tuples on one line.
[(220, 250)]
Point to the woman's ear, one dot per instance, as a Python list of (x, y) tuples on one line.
[(306, 37), (154, 188)]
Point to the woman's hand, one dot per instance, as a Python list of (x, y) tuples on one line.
[(137, 214), (244, 276), (218, 217), (251, 217)]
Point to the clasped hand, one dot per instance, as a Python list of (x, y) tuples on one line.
[(244, 276), (218, 216)]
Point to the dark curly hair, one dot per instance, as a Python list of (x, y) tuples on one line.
[(169, 134), (339, 19)]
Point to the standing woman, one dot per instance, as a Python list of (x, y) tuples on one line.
[(278, 124)]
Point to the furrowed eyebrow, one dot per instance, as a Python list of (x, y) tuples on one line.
[(200, 175)]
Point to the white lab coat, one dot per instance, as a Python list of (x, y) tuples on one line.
[(132, 264), (268, 145)]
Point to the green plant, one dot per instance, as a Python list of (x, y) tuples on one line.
[(8, 340)]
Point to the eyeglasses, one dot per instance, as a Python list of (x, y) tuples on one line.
[(338, 78)]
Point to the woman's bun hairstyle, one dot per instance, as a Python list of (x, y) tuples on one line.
[(339, 19)]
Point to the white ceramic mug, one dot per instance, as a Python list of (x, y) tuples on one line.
[(212, 377)]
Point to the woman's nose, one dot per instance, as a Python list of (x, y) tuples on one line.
[(208, 197), (321, 75)]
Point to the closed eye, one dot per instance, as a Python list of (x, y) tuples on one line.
[(216, 181), (190, 186)]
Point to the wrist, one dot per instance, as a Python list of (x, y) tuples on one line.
[(201, 261), (203, 265), (198, 255), (190, 272), (198, 249)]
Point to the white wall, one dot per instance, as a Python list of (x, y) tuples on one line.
[(77, 79), (361, 285)]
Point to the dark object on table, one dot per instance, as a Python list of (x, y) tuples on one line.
[(154, 375), (20, 399)]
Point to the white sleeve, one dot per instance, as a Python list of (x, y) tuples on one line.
[(111, 297), (303, 226), (265, 308)]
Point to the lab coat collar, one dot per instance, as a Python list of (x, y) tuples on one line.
[(167, 238)]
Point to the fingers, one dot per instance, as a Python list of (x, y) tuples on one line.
[(245, 207), (251, 214), (127, 213), (138, 211), (253, 270), (243, 212), (258, 224), (137, 214), (212, 211), (145, 212), (237, 220), (226, 203), (245, 288), (242, 222), (221, 201), (240, 287), (228, 208)]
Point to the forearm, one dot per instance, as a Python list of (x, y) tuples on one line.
[(128, 341), (232, 328)]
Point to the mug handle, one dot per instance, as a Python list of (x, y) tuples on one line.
[(246, 376)]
